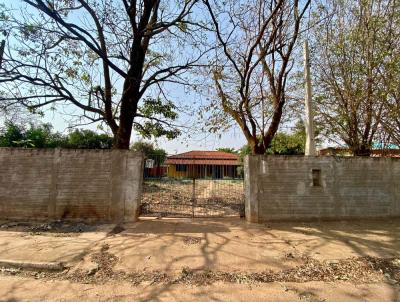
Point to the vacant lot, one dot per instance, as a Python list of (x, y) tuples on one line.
[(180, 259), (187, 198)]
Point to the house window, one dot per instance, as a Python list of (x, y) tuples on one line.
[(316, 177), (181, 168)]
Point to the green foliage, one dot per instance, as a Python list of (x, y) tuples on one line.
[(146, 148), (159, 156), (11, 135), (245, 150), (289, 144), (42, 136), (88, 139), (283, 143), (152, 107), (157, 127), (52, 62), (355, 48), (150, 152)]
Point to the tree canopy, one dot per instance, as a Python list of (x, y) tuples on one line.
[(289, 143), (356, 55), (256, 41), (118, 63), (283, 143), (104, 61), (150, 151)]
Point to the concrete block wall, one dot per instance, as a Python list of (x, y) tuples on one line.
[(97, 185), (279, 188)]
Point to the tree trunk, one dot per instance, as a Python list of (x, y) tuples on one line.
[(123, 138), (130, 97), (276, 120), (257, 149), (128, 112)]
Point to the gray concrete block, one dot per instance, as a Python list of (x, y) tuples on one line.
[(70, 184), (303, 188)]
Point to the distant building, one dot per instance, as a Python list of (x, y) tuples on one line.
[(331, 151), (346, 152), (203, 164)]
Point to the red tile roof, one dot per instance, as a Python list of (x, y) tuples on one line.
[(203, 158)]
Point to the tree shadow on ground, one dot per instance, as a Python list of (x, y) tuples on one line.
[(219, 238), (380, 238), (344, 239)]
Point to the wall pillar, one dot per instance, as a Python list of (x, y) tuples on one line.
[(126, 185), (251, 166)]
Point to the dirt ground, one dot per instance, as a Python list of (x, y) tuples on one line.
[(204, 259), (44, 242), (22, 289), (179, 198)]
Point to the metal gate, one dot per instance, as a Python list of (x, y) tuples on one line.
[(192, 188)]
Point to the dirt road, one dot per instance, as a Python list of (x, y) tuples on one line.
[(22, 289), (205, 260)]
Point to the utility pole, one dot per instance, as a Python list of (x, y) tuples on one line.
[(309, 119), (2, 45)]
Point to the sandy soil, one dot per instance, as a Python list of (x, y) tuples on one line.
[(207, 259), (24, 241), (21, 289), (233, 244)]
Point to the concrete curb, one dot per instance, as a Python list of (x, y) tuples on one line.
[(41, 266)]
